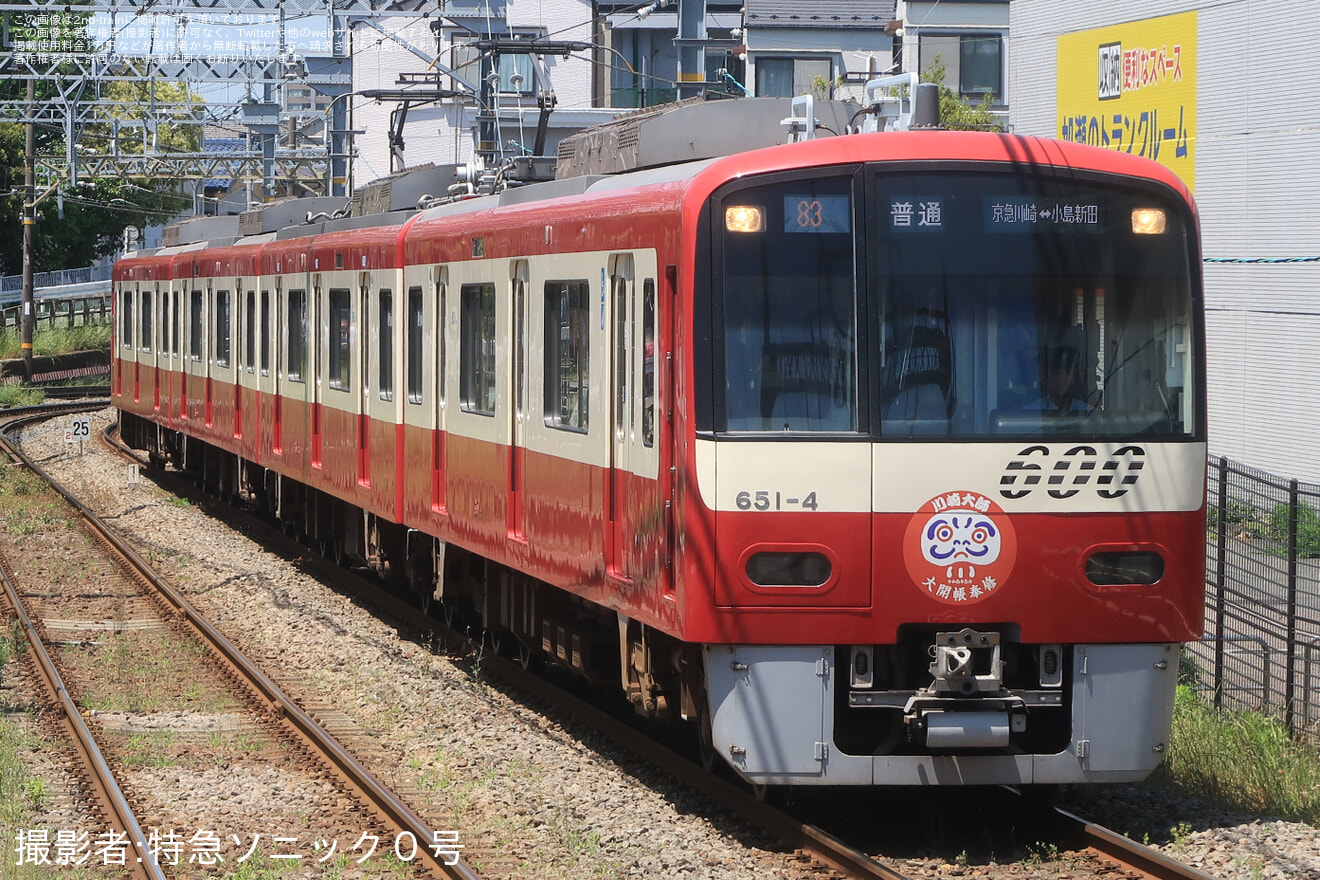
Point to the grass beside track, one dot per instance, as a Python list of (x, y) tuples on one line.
[(1241, 761), (56, 340)]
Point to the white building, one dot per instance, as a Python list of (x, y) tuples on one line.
[(1226, 101)]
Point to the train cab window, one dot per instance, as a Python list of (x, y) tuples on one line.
[(648, 362), (414, 344), (126, 318), (789, 307), (567, 354), (146, 320), (385, 351), (265, 333), (250, 331), (1012, 310), (195, 325), (297, 326), (477, 348), (223, 326), (341, 327)]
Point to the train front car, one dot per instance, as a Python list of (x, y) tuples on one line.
[(949, 458)]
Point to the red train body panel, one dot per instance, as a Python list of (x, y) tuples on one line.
[(687, 455)]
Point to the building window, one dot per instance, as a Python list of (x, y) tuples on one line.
[(973, 63), (980, 65), (477, 349), (341, 327), (567, 353), (790, 77)]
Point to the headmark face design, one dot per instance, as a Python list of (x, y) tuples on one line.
[(959, 548)]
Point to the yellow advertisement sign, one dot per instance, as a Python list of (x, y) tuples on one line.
[(1132, 88)]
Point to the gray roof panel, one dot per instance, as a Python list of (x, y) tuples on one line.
[(820, 13)]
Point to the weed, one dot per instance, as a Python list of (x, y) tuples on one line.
[(35, 792), (179, 502), (1240, 760), (1041, 853), (150, 749), (19, 395)]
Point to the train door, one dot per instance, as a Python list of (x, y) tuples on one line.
[(440, 277), (318, 318), (620, 348), (368, 336), (135, 299), (149, 344), (518, 425)]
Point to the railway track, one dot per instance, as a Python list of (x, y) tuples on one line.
[(431, 853), (818, 849)]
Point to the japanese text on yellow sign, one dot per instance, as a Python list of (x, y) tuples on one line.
[(1132, 88)]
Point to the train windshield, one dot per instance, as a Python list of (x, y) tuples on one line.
[(973, 305)]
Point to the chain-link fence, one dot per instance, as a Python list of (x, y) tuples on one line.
[(1261, 649)]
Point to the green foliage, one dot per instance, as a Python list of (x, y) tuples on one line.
[(1308, 529), (77, 224), (955, 112), (56, 340), (1241, 760)]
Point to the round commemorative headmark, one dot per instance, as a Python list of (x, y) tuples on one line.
[(959, 548)]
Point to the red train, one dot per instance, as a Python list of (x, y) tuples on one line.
[(879, 456)]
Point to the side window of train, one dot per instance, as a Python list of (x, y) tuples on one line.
[(476, 348), (265, 333), (442, 336), (176, 325), (414, 344), (195, 325), (145, 310), (648, 362), (385, 349), (126, 317), (165, 342), (223, 328), (297, 326), (341, 326), (250, 331), (567, 354)]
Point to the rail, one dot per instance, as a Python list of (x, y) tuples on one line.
[(359, 781)]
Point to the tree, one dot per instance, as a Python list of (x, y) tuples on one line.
[(955, 112), (77, 224)]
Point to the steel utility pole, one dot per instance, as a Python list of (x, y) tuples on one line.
[(29, 221)]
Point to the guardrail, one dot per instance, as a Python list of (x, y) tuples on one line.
[(65, 295), (58, 278)]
